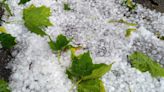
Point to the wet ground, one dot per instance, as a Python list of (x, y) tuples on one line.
[(158, 5)]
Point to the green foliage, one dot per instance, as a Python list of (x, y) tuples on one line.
[(130, 4), (23, 1), (61, 43), (4, 86), (94, 85), (86, 74), (52, 45), (67, 7), (144, 63), (7, 41), (98, 71), (82, 66), (36, 19), (129, 31)]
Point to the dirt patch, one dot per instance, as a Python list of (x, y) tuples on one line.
[(5, 57), (158, 5)]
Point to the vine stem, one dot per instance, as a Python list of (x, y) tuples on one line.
[(75, 85), (59, 53)]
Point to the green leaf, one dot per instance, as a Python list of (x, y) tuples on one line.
[(70, 76), (144, 63), (129, 31), (94, 85), (85, 74), (4, 86), (7, 41), (60, 44), (83, 68), (130, 4), (82, 65), (36, 19), (67, 7), (23, 1), (102, 88), (98, 71)]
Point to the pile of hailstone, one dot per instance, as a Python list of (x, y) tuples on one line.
[(36, 69)]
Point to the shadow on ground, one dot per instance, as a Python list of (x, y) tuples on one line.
[(158, 5)]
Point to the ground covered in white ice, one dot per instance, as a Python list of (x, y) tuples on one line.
[(36, 69)]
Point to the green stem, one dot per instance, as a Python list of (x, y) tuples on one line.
[(49, 37), (123, 22), (75, 85), (12, 21), (58, 52), (72, 53), (58, 55)]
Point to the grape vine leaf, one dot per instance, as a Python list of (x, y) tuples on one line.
[(86, 74), (60, 44), (94, 85), (36, 19), (98, 71), (144, 63), (82, 65)]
